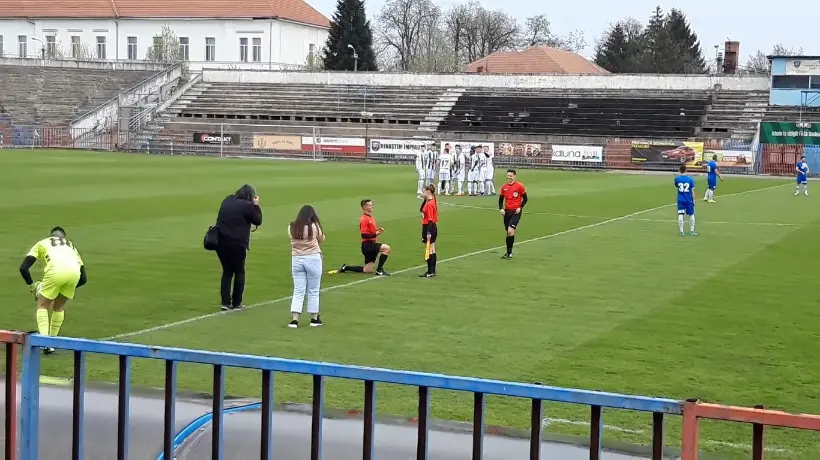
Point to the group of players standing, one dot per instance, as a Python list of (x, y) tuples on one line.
[(450, 168)]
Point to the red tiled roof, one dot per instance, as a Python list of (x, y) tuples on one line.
[(538, 59), (293, 10)]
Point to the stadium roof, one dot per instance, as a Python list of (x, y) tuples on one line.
[(538, 59), (777, 56), (291, 10)]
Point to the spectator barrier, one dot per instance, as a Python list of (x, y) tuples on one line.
[(320, 144), (33, 344)]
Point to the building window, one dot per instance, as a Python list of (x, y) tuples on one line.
[(790, 82), (184, 52), (100, 47), (22, 46), (75, 47), (51, 46), (257, 50), (210, 49), (815, 79), (132, 48), (243, 49)]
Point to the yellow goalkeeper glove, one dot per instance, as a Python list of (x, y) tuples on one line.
[(34, 288)]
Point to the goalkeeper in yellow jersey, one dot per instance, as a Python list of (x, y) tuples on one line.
[(63, 273)]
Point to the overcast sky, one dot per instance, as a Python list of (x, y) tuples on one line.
[(755, 25)]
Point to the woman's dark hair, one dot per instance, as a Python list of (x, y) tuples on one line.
[(246, 192), (307, 216)]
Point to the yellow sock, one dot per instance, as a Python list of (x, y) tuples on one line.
[(42, 321), (57, 318)]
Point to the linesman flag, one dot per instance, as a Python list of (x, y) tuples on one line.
[(427, 248)]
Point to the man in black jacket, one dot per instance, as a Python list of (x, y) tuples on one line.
[(236, 215)]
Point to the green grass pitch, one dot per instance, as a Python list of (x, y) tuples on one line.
[(592, 299)]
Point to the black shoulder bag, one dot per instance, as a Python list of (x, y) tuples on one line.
[(211, 238)]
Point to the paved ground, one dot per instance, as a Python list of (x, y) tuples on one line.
[(341, 437)]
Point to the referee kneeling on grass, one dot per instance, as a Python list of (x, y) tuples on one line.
[(511, 202)]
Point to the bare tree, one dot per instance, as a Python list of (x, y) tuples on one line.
[(456, 20), (402, 26), (538, 32), (489, 31), (165, 48), (758, 62), (434, 53)]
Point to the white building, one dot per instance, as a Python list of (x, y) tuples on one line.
[(211, 33)]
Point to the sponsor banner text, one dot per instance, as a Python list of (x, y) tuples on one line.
[(519, 149), (216, 138), (789, 133), (580, 153), (335, 144), (667, 152), (281, 143), (399, 146), (802, 66)]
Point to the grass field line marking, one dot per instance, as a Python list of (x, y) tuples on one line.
[(405, 270), (579, 216), (547, 421), (583, 216)]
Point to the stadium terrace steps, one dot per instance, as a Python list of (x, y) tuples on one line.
[(440, 110), (293, 128), (588, 113), (343, 110), (793, 114), (735, 114), (52, 95), (308, 103)]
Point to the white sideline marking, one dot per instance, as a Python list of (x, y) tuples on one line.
[(562, 421), (732, 445), (405, 270), (666, 221), (583, 216)]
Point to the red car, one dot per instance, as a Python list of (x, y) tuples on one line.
[(682, 154)]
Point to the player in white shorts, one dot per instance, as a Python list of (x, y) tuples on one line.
[(482, 169), (489, 186), (445, 163), (432, 156), (472, 173), (420, 170), (460, 169)]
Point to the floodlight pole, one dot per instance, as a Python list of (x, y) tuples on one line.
[(355, 58)]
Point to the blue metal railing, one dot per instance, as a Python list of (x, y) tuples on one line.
[(33, 345)]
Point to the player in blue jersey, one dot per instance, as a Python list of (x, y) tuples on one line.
[(802, 169), (686, 200), (712, 176)]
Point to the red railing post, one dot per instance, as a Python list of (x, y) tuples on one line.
[(689, 431)]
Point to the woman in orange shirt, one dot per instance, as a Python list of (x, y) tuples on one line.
[(429, 229)]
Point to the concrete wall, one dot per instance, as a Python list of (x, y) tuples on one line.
[(82, 64), (656, 82), (281, 42)]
